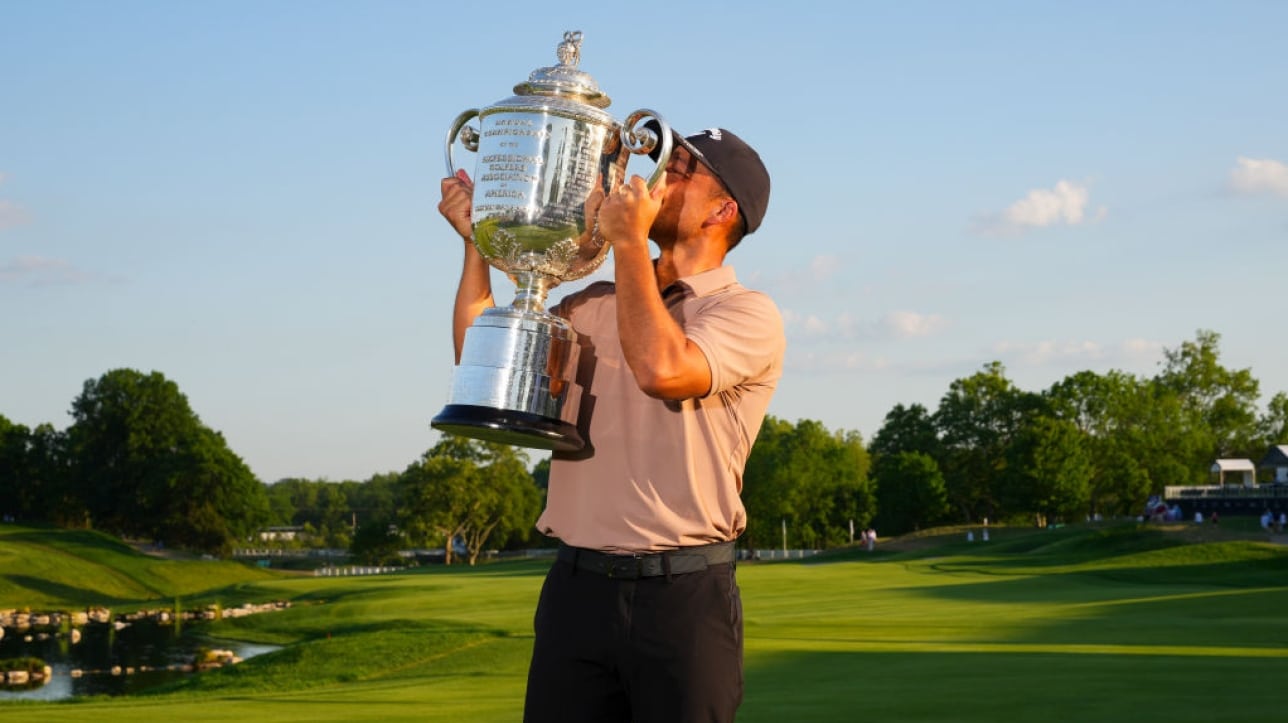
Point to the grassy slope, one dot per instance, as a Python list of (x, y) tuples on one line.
[(1098, 624), (44, 569)]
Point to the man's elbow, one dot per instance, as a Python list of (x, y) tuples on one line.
[(671, 387)]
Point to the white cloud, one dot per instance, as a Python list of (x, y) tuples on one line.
[(831, 361), (1260, 175), (824, 267), (1066, 203), (905, 324), (11, 214), (40, 270), (796, 280), (815, 325), (1142, 349), (1048, 353), (810, 324), (1042, 353), (845, 326)]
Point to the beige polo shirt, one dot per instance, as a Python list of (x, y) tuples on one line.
[(655, 474)]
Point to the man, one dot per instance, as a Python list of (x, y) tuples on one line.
[(640, 618)]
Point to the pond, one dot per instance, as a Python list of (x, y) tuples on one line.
[(110, 661)]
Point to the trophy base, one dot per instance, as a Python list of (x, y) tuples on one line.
[(507, 426)]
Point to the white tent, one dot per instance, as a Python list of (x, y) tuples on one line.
[(1244, 466)]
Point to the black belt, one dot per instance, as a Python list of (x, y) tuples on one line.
[(651, 564)]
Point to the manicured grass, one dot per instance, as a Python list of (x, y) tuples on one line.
[(1114, 623), (48, 569)]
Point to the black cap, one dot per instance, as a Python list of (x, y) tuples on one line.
[(736, 164)]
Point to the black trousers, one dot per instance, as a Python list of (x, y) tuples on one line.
[(654, 649)]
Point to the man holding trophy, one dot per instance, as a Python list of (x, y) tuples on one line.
[(639, 618)]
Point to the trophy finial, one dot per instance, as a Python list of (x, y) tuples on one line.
[(569, 51), (565, 79)]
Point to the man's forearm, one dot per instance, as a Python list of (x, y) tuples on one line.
[(664, 362), (473, 295)]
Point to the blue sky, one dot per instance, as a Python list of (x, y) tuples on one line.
[(241, 195)]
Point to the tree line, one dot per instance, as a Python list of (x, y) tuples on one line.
[(138, 462), (1089, 444)]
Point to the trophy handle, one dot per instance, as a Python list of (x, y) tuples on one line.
[(469, 137), (644, 140)]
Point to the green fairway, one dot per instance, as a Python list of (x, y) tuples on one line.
[(1113, 624)]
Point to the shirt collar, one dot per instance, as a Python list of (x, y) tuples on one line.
[(705, 283)]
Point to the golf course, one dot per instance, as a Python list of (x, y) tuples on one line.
[(1109, 622)]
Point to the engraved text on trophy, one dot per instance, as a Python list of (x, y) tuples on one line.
[(536, 172)]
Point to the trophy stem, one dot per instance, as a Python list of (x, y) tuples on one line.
[(531, 291)]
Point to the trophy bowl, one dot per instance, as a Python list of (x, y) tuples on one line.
[(545, 159)]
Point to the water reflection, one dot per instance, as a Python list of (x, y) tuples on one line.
[(107, 661)]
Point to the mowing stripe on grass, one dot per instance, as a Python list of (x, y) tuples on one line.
[(763, 644)]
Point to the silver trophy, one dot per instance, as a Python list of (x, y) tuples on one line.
[(546, 157)]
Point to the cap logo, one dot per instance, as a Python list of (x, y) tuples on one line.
[(713, 133)]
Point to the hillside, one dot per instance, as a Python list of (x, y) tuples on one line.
[(47, 569)]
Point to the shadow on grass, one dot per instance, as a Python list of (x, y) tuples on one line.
[(821, 687), (531, 567), (1232, 602), (68, 540), (60, 591), (1099, 581)]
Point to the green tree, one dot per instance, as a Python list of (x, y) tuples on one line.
[(899, 487), (142, 464), (1052, 470), (375, 542), (541, 473), (911, 493), (766, 482), (906, 429), (854, 499), (1107, 411), (813, 479), (506, 503), (34, 473), (1222, 401), (978, 419), (300, 498), (280, 504), (1170, 445), (15, 477), (1138, 435), (50, 495), (467, 490), (212, 501), (334, 518), (377, 498), (1273, 424)]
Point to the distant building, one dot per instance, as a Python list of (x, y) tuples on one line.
[(1276, 462), (282, 534), (1234, 489)]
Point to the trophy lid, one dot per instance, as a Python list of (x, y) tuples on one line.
[(564, 79)]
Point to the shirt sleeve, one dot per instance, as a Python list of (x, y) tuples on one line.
[(742, 337)]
